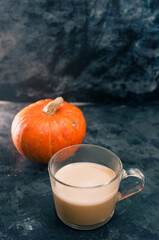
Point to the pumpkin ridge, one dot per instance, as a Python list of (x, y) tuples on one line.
[(27, 154), (22, 118), (71, 119), (19, 147), (77, 113), (62, 130), (63, 117), (19, 121), (59, 127), (50, 138), (23, 121), (42, 124)]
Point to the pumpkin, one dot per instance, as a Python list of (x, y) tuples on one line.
[(45, 127)]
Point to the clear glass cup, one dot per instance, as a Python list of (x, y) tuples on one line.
[(102, 198)]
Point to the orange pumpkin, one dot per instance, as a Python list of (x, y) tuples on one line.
[(44, 127)]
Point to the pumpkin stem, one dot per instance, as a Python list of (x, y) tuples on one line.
[(51, 108)]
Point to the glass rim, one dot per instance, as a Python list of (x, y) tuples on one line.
[(89, 187)]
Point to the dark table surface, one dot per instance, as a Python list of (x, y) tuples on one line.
[(26, 204)]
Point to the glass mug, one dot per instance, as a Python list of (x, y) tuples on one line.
[(89, 207)]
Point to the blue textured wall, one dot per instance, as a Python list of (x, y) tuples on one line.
[(83, 50)]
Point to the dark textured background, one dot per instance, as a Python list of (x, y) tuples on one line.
[(103, 51), (83, 50)]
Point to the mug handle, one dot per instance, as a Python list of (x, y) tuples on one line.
[(132, 172)]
